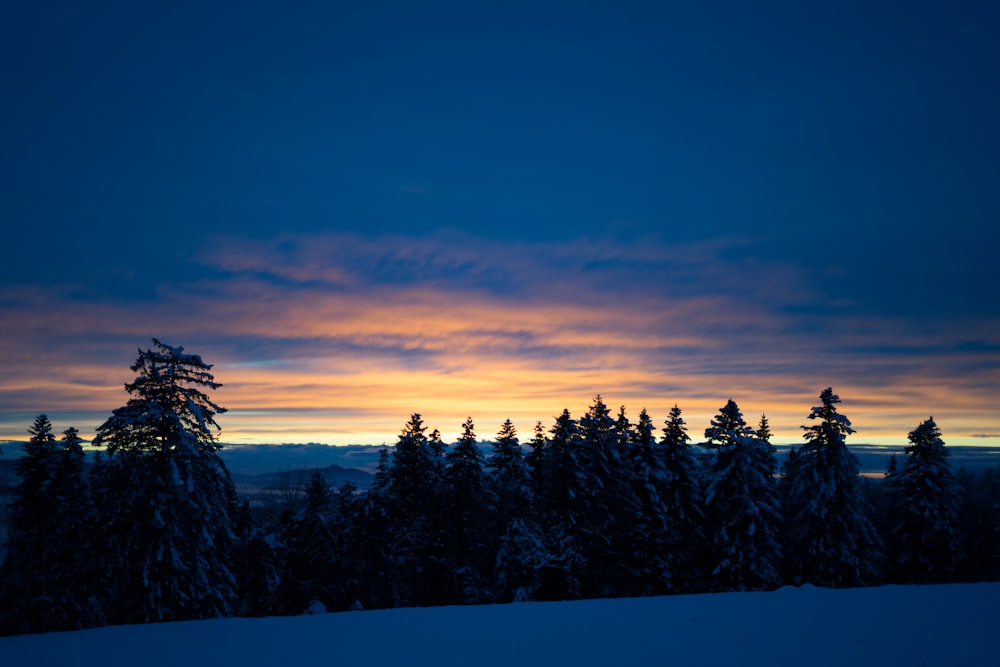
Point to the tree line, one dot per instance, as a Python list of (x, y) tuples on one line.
[(592, 507)]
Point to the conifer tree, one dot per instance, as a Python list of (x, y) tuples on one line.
[(520, 549), (607, 503), (562, 508), (256, 565), (310, 543), (46, 576), (624, 434), (683, 506), (925, 545), (536, 460), (417, 542), (764, 429), (647, 559), (373, 537), (830, 539), (165, 498), (742, 506), (465, 488), (508, 474)]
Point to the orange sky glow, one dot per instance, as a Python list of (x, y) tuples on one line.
[(343, 361)]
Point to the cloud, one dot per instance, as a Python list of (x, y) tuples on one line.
[(338, 337)]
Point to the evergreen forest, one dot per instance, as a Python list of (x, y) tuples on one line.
[(598, 505)]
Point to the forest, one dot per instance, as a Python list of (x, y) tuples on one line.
[(595, 506)]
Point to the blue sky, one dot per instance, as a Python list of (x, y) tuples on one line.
[(362, 210)]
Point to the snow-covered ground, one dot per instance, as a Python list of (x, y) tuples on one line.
[(919, 626)]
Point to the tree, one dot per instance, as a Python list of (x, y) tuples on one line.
[(683, 506), (416, 521), (764, 429), (465, 488), (830, 539), (924, 540), (742, 506), (606, 501), (310, 543), (46, 578), (508, 475), (647, 559), (164, 495), (520, 547), (561, 501)]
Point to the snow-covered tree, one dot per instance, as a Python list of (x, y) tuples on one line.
[(310, 539), (256, 564), (742, 506), (520, 545), (829, 536), (165, 498), (561, 505), (508, 475), (924, 540), (683, 506), (416, 517), (647, 559), (465, 500), (45, 579), (607, 505)]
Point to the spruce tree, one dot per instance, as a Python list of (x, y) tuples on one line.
[(465, 489), (416, 518), (830, 539), (310, 544), (742, 506), (519, 545), (648, 558), (683, 506), (925, 544), (562, 506), (606, 506), (165, 498), (47, 582)]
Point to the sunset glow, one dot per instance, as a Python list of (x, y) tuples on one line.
[(483, 211)]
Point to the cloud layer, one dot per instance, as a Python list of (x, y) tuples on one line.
[(338, 337)]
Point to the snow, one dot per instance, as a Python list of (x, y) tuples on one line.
[(891, 625)]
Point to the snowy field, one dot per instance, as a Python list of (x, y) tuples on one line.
[(918, 626)]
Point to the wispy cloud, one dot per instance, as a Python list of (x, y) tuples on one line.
[(338, 337)]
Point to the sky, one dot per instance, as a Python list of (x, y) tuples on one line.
[(359, 211)]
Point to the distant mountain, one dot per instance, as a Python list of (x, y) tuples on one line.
[(290, 478)]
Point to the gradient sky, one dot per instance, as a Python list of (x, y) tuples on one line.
[(357, 211)]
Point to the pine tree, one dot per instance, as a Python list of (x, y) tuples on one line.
[(603, 529), (519, 544), (683, 506), (830, 539), (536, 461), (742, 506), (373, 540), (310, 543), (416, 518), (465, 488), (925, 545), (165, 497), (764, 429), (256, 564), (648, 559), (561, 498), (508, 475), (47, 579), (624, 434)]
